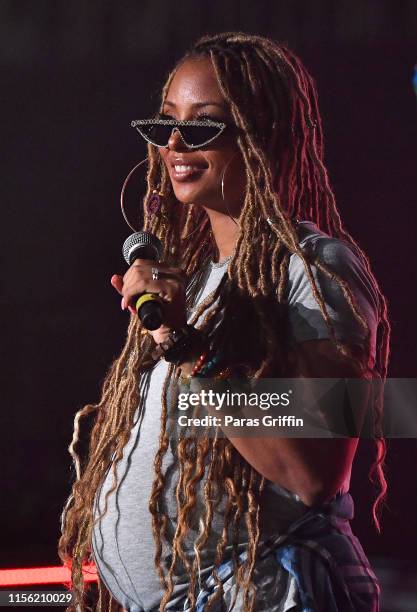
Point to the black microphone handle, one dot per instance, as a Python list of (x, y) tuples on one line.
[(145, 245), (148, 305)]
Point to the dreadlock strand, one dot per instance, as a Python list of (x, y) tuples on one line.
[(158, 520)]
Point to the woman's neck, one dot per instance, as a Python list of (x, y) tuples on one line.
[(225, 233)]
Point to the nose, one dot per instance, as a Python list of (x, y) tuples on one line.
[(175, 142)]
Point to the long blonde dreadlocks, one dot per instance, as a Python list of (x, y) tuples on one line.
[(273, 101)]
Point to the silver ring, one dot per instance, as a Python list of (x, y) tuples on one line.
[(155, 273)]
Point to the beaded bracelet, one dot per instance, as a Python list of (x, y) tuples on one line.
[(210, 365), (196, 368), (201, 368)]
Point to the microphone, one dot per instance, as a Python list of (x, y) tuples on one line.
[(144, 245)]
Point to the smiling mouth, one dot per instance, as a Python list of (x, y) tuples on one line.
[(185, 171)]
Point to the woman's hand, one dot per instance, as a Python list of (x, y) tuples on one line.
[(170, 286)]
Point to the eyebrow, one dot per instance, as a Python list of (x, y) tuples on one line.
[(198, 104)]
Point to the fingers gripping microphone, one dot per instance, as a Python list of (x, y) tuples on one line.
[(144, 245)]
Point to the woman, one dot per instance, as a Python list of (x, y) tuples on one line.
[(274, 287)]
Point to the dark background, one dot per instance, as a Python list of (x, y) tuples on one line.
[(73, 76)]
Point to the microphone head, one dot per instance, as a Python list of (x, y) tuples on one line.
[(142, 245)]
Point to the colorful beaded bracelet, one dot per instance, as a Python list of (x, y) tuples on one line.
[(201, 369)]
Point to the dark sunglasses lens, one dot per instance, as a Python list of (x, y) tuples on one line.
[(157, 134), (197, 135), (192, 135)]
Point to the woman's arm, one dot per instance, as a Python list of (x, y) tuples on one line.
[(316, 469), (313, 468)]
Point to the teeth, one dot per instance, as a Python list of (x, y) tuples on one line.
[(186, 168)]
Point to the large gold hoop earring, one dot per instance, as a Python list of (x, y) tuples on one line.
[(122, 193), (222, 187), (153, 203)]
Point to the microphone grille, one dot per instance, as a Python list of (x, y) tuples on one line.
[(142, 240)]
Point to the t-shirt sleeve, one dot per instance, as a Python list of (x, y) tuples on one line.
[(306, 321)]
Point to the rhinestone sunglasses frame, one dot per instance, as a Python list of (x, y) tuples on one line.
[(177, 124)]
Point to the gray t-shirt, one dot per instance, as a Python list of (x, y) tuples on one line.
[(123, 543)]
